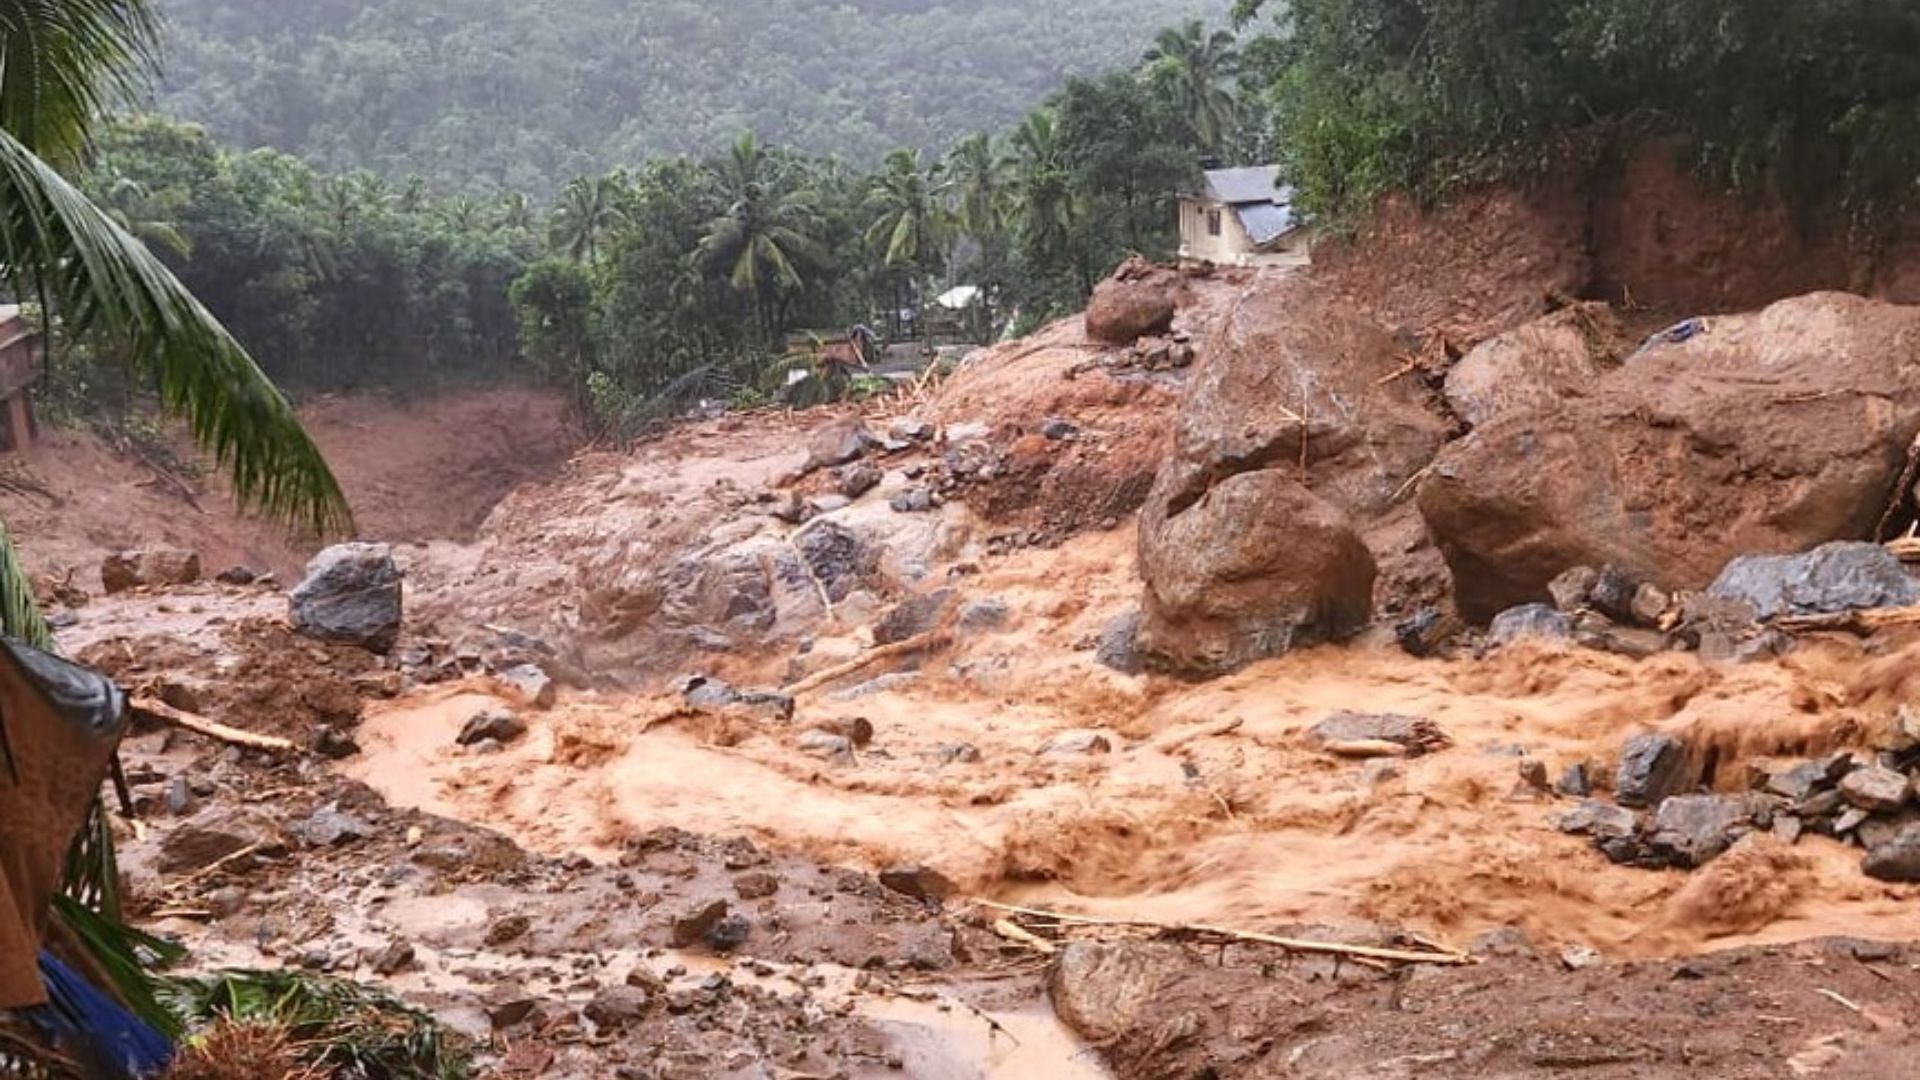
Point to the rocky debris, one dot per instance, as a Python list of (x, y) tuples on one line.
[(1416, 734), (1139, 299), (1102, 990), (351, 595), (957, 754), (1602, 821), (397, 957), (216, 834), (1169, 353), (1897, 857), (912, 430), (1651, 470), (703, 692), (856, 480), (729, 934), (1077, 744), (616, 1008), (1592, 630), (1829, 579), (922, 883), (1876, 789), (883, 684), (756, 884), (1652, 768), (1572, 588), (691, 927), (1536, 366), (1535, 622), (237, 575), (836, 558), (1056, 429), (824, 744), (1289, 438), (1117, 645), (508, 929), (914, 500), (533, 686), (156, 567), (1690, 830), (913, 616), (1803, 781), (329, 827), (986, 613), (838, 443), (1576, 782), (498, 725)]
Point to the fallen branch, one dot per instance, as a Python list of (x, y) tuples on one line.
[(1020, 935), (932, 639), (162, 713), (1298, 945)]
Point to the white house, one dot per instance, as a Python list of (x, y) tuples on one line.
[(1243, 217)]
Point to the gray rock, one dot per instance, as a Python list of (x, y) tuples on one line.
[(501, 726), (1529, 621), (838, 443), (395, 958), (1571, 589), (884, 684), (856, 480), (912, 617), (1690, 830), (237, 575), (328, 827), (1057, 429), (910, 429), (824, 744), (1849, 821), (1652, 768), (914, 500), (692, 926), (729, 934), (707, 693), (217, 834), (1508, 941), (985, 613), (1599, 820), (836, 557), (533, 685), (1116, 647), (1895, 858), (1808, 777), (616, 1008), (1575, 781), (351, 595), (1650, 604), (1613, 592), (957, 754), (1071, 743), (1415, 733), (1875, 788), (1832, 578), (1787, 828), (180, 800), (827, 504), (156, 567)]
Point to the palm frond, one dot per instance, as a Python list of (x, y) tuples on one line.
[(55, 242), (62, 62)]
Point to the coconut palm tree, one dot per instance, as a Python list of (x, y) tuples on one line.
[(910, 230), (588, 210), (979, 183), (134, 208), (1192, 67), (1044, 206), (766, 240)]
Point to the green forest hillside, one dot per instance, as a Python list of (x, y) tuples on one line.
[(524, 94)]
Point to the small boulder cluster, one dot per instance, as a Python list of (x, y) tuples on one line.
[(1659, 819)]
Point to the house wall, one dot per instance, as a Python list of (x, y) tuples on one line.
[(1233, 247)]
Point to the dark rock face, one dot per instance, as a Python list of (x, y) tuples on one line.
[(351, 595), (1830, 578), (1651, 470), (1896, 858), (1652, 768), (1690, 830), (1536, 622), (836, 557)]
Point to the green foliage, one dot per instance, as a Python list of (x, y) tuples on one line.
[(341, 1028), (525, 94), (554, 302)]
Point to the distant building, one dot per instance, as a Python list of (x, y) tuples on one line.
[(1242, 217), (21, 356)]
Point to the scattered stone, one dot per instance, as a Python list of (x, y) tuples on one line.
[(507, 930), (1613, 592), (395, 958), (1418, 734), (213, 835), (502, 726), (1600, 820), (616, 1008), (64, 619), (351, 595), (1116, 647), (836, 557), (1808, 777), (838, 443), (1380, 771), (1057, 429), (1579, 957), (237, 575), (911, 429), (957, 754), (534, 687), (984, 613), (1836, 577), (927, 947), (1876, 788), (918, 882), (692, 927), (1072, 743), (1571, 589), (155, 567), (328, 827), (226, 901), (914, 500), (729, 934), (883, 684), (1533, 775), (1849, 821), (1575, 782), (1650, 604), (1508, 941), (756, 884), (970, 431), (702, 692), (1536, 622), (857, 730), (1895, 858), (824, 744), (180, 800), (1690, 830), (1787, 828), (1652, 768), (1420, 635), (912, 617), (856, 480), (1594, 631)]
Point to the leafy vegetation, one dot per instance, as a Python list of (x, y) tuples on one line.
[(522, 95), (331, 1026)]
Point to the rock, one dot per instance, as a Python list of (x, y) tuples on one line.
[(1690, 830), (328, 827), (1652, 469), (1506, 942), (398, 956), (838, 443), (927, 947), (1579, 957), (922, 883), (692, 927), (836, 557), (1652, 768), (237, 575), (1896, 858), (500, 725), (1103, 991), (534, 688), (914, 500), (1575, 782), (1536, 366), (1418, 734), (1535, 622), (1808, 777), (983, 614), (1422, 634), (756, 885), (616, 1008), (330, 743), (1592, 631), (1599, 820), (1650, 604), (1533, 775), (1787, 828), (1054, 429), (507, 1005), (911, 429), (883, 684), (1613, 592), (1572, 589), (957, 754), (1289, 438), (729, 934), (351, 595), (857, 730), (507, 930), (1116, 647), (1832, 578), (1077, 743), (1853, 818), (912, 617), (156, 567), (824, 744), (217, 834), (226, 901), (856, 480), (180, 800), (702, 692), (1124, 309), (1876, 789)]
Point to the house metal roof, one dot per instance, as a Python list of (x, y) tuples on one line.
[(1259, 183), (1266, 222)]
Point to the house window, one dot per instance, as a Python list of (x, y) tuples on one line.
[(1213, 223)]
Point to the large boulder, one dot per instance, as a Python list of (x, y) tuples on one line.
[(1537, 365), (1831, 578), (1138, 300), (1291, 438), (351, 594), (1771, 433)]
